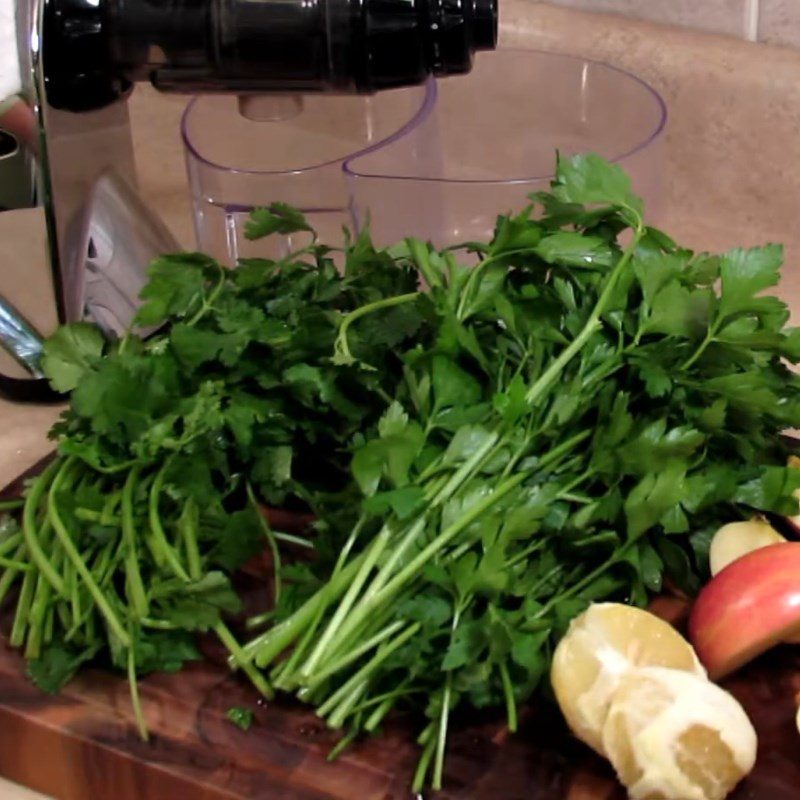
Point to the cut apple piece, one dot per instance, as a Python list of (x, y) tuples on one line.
[(736, 539), (797, 718), (750, 606)]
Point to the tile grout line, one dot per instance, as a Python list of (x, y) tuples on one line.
[(751, 18)]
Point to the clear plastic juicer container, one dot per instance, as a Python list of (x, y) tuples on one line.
[(438, 162)]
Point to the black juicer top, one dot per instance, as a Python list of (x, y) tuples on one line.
[(95, 49)]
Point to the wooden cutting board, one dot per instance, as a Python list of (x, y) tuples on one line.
[(82, 744)]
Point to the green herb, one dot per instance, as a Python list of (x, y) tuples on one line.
[(130, 537), (562, 422), (574, 407), (240, 717)]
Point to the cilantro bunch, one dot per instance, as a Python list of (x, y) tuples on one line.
[(127, 541), (563, 414)]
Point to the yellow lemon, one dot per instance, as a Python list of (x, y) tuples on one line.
[(600, 647), (672, 735)]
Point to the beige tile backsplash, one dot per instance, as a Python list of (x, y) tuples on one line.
[(772, 21), (779, 22), (720, 16)]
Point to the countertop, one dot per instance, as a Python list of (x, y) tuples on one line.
[(732, 165)]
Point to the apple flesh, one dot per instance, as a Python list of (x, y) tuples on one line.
[(750, 606), (736, 539)]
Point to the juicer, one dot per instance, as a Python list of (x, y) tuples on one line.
[(80, 60)]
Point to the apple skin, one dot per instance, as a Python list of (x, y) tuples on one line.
[(747, 608)]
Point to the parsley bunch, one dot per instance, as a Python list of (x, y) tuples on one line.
[(564, 414), (588, 403)]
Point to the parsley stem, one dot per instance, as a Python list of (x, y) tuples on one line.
[(286, 672), (22, 613), (284, 675), (508, 692), (270, 644), (187, 525), (366, 627), (466, 470), (441, 738), (10, 543), (363, 674), (273, 545), (585, 581), (563, 494), (49, 624), (414, 567), (69, 547), (444, 716), (426, 733), (134, 690), (475, 272), (107, 515), (208, 302), (290, 538), (11, 505), (88, 515), (422, 765), (385, 702), (555, 454), (341, 346), (398, 553), (420, 254), (237, 656), (163, 547), (707, 340), (376, 717), (10, 563), (11, 574), (30, 527), (528, 551), (134, 583), (545, 579), (313, 681), (239, 659), (373, 553), (592, 324), (158, 624), (41, 598), (343, 743), (41, 601), (340, 713)]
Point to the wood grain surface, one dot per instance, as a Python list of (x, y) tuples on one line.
[(82, 743)]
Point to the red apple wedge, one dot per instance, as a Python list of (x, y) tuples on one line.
[(750, 606)]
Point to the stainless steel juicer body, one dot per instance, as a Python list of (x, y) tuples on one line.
[(81, 58)]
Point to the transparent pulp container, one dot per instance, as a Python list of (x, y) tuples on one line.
[(491, 138), (235, 163), (439, 162)]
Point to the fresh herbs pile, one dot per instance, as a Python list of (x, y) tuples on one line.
[(566, 421), (127, 541)]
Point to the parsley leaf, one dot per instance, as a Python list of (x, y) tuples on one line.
[(70, 353), (275, 218)]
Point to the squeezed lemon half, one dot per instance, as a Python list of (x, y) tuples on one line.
[(672, 735), (598, 650)]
